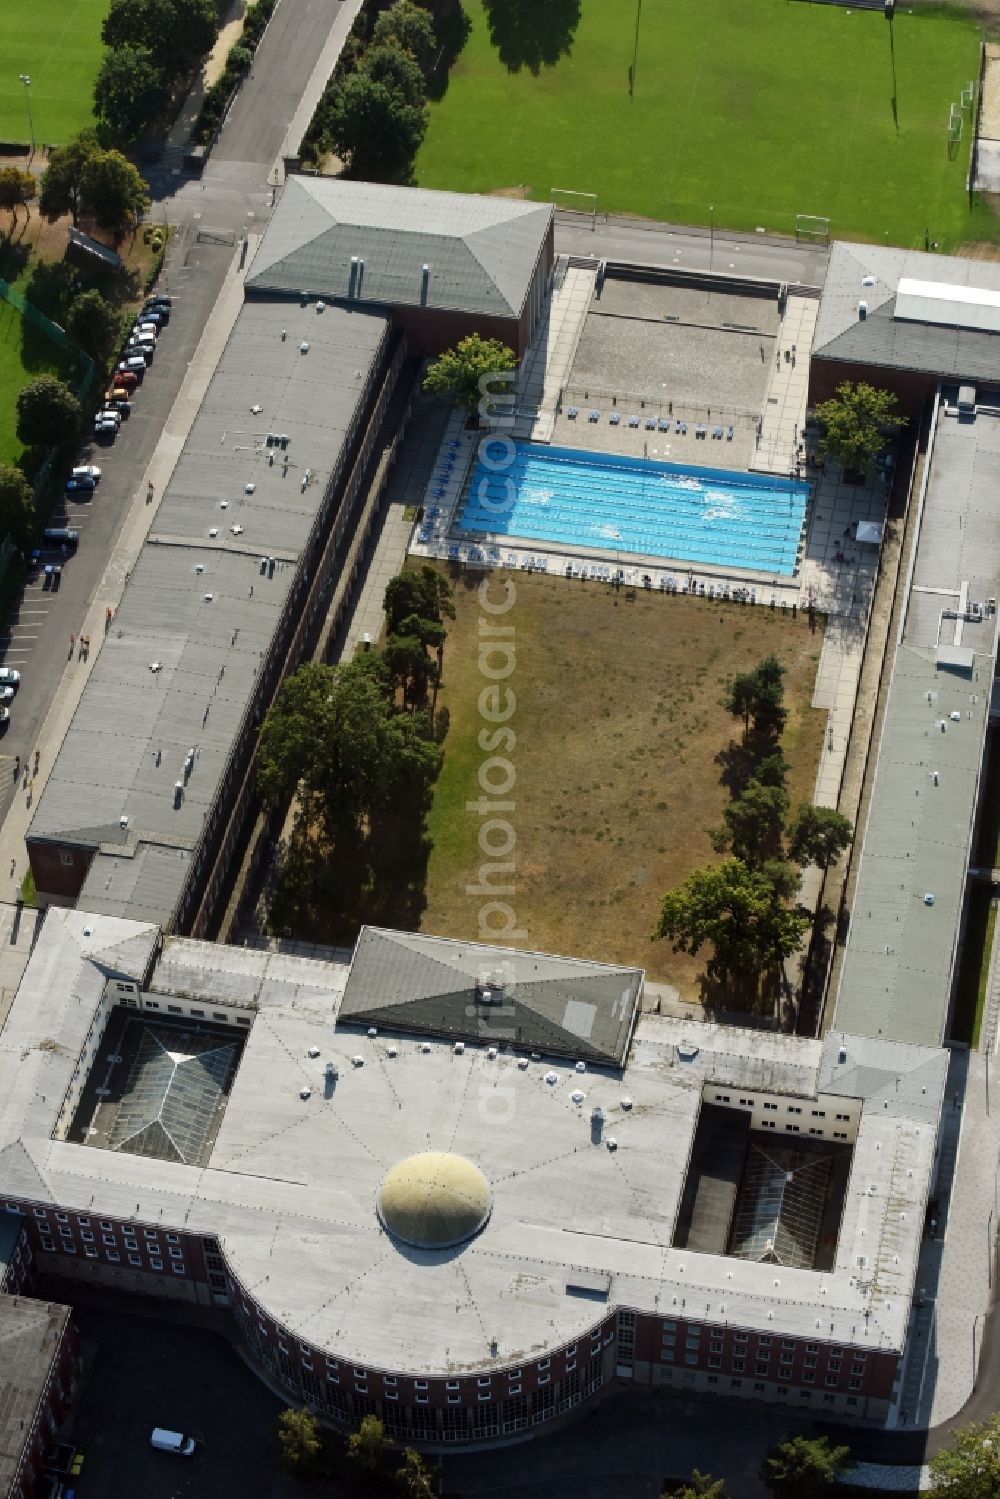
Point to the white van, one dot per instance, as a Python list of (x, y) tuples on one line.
[(171, 1441)]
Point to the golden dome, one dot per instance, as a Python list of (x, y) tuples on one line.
[(434, 1200)]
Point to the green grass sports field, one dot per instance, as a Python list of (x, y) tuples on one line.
[(57, 43), (764, 110)]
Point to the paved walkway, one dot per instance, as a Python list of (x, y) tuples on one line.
[(17, 934), (113, 583), (320, 76), (546, 366), (784, 413)]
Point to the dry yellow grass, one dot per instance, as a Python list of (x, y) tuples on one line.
[(618, 722)]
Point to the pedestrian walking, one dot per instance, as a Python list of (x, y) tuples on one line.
[(35, 771), (13, 866), (72, 643)]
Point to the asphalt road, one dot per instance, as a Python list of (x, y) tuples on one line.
[(141, 1373), (646, 243)]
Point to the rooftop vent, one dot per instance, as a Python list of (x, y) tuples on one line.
[(303, 347), (373, 1030), (581, 1066), (611, 1143), (425, 1047), (626, 1104), (305, 1092), (392, 1051), (313, 1051), (577, 1096), (357, 1061), (551, 1077), (491, 1053), (522, 1063), (459, 1048), (862, 310)]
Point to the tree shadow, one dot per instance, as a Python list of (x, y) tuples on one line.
[(530, 34), (13, 258), (50, 288), (452, 29), (739, 761)]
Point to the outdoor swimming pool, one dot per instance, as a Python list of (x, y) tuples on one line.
[(712, 516)]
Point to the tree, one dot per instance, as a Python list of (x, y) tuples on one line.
[(113, 191), (819, 835), (425, 593), (177, 32), (48, 414), (753, 824), (95, 325), (529, 35), (369, 1447), (757, 697), (332, 735), (17, 504), (409, 28), (375, 128), (414, 1478), (855, 423), (17, 188), (461, 372), (701, 1486), (410, 667), (301, 1444), (803, 1467), (970, 1467), (61, 181), (736, 909), (130, 93)]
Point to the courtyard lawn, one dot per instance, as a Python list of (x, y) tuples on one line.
[(618, 721), (762, 110), (57, 43)]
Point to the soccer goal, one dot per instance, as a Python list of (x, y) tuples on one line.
[(812, 228), (955, 122), (576, 202)]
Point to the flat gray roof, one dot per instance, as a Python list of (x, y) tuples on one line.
[(897, 973), (535, 1001), (291, 1183), (480, 252), (881, 339), (30, 1334), (179, 669)]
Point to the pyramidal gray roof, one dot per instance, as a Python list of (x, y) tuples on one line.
[(871, 274), (480, 252), (493, 995)]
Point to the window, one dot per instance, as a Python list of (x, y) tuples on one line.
[(87, 1236), (736, 1384), (858, 1366), (331, 1363), (793, 1108), (855, 1384), (175, 1010), (40, 1213), (485, 1395), (812, 1347), (421, 1399), (768, 1123), (152, 1004), (173, 1238), (739, 1365), (69, 1248), (809, 1361), (391, 1395), (418, 1384), (805, 1394), (450, 1384), (106, 1227), (218, 1281), (65, 1230), (108, 1239), (852, 1399), (740, 1337), (484, 1383), (89, 1252), (454, 1399), (715, 1363), (818, 1113), (845, 1117), (808, 1377), (221, 1018), (543, 1379), (788, 1343), (62, 1217), (150, 1233), (48, 1245), (693, 1340), (758, 1389), (570, 1365), (66, 857), (829, 1399), (571, 1352), (362, 1374), (513, 1374), (715, 1346), (156, 1264), (793, 1129), (514, 1389), (333, 1378), (764, 1341), (176, 1254), (543, 1363), (771, 1106), (833, 1379), (198, 1014), (83, 1222), (722, 1098), (760, 1367), (713, 1379), (390, 1379), (747, 1103), (690, 1358), (113, 1256)]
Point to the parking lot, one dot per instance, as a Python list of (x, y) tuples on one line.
[(143, 1371), (36, 641)]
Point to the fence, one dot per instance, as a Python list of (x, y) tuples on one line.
[(53, 331)]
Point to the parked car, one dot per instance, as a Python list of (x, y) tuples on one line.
[(172, 1441), (4, 718), (61, 536), (87, 471), (140, 335), (136, 350), (132, 364), (159, 299), (127, 379), (105, 428), (116, 392), (146, 327), (6, 694), (121, 404), (10, 677), (108, 413), (80, 486), (155, 314)]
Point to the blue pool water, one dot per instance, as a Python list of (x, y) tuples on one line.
[(706, 515)]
